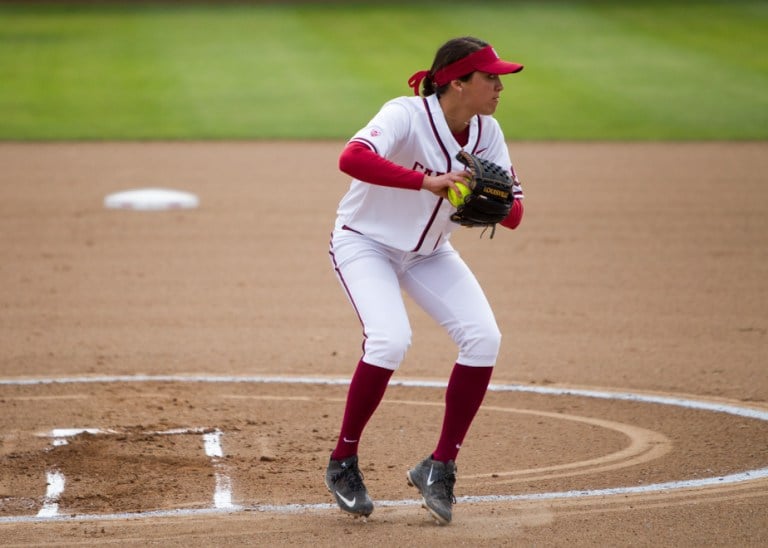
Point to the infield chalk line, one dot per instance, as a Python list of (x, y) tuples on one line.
[(626, 396), (53, 491), (222, 496), (224, 504)]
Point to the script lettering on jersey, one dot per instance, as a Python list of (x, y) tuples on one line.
[(419, 167)]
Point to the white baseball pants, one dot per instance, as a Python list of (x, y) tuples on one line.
[(374, 276)]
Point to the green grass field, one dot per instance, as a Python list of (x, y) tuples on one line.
[(594, 70)]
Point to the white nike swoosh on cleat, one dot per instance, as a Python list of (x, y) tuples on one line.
[(430, 481), (349, 503)]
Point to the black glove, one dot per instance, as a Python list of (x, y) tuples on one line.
[(490, 199)]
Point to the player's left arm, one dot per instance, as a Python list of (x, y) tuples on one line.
[(498, 152), (515, 217)]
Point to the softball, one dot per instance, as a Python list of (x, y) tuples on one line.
[(455, 199)]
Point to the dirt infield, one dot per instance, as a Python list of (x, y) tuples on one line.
[(177, 378)]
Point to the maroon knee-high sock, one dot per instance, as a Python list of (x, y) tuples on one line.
[(366, 390), (465, 392)]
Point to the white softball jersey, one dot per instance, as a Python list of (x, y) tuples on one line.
[(413, 132)]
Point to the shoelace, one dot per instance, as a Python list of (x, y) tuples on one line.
[(352, 476), (449, 480)]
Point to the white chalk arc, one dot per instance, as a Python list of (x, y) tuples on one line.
[(226, 506)]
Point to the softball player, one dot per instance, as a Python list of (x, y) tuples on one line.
[(392, 233)]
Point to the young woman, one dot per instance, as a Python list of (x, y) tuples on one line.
[(392, 233)]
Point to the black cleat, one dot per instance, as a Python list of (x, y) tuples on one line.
[(344, 479)]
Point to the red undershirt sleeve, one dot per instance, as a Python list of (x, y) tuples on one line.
[(512, 220), (360, 162)]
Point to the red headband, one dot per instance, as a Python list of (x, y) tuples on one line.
[(485, 60)]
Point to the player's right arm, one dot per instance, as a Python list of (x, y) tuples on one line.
[(362, 163), (359, 161)]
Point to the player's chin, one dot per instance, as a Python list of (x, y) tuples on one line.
[(490, 106)]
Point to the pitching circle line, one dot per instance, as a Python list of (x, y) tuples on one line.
[(740, 477)]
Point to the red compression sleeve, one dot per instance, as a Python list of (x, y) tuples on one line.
[(515, 215), (360, 162)]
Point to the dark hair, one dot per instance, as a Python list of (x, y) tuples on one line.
[(450, 52)]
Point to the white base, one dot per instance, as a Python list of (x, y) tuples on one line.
[(151, 199)]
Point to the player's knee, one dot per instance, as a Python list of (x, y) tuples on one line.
[(489, 340), (387, 349), (396, 345), (480, 346)]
